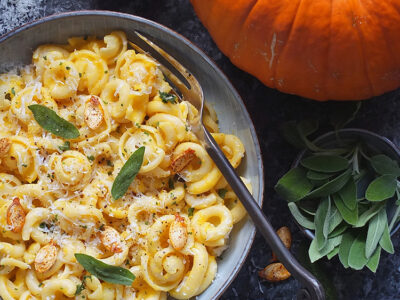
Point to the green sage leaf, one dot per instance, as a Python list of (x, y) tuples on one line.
[(316, 254), (300, 218), (166, 97), (51, 122), (108, 273), (312, 175), (344, 248), (325, 163), (291, 134), (349, 194), (294, 185), (374, 260), (318, 270), (127, 174), (386, 241), (350, 216), (331, 187), (368, 214), (339, 230), (384, 165), (308, 206), (332, 254), (375, 230), (321, 222), (335, 218), (381, 188), (357, 258), (344, 114)]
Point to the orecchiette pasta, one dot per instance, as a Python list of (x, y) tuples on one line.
[(55, 194)]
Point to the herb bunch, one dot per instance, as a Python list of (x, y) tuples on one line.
[(342, 193)]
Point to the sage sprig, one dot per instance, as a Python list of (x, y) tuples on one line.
[(51, 122), (342, 194), (103, 271)]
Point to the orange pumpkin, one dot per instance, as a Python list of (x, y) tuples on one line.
[(319, 49)]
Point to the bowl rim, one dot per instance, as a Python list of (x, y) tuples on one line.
[(220, 73), (356, 131)]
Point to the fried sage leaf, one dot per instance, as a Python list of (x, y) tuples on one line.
[(325, 163), (108, 273), (127, 174), (51, 122), (375, 231), (381, 188), (294, 185)]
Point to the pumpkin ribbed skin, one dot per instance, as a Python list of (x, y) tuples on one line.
[(319, 49)]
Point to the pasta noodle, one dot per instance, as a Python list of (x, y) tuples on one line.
[(171, 224)]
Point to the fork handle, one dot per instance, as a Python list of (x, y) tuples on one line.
[(313, 289)]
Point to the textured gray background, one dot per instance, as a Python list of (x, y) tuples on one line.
[(268, 109)]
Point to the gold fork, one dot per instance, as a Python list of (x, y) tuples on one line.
[(188, 88)]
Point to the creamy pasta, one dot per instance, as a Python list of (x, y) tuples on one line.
[(170, 225)]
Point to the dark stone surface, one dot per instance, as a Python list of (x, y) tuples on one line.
[(268, 109)]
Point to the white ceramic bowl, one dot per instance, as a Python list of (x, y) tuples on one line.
[(16, 49)]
